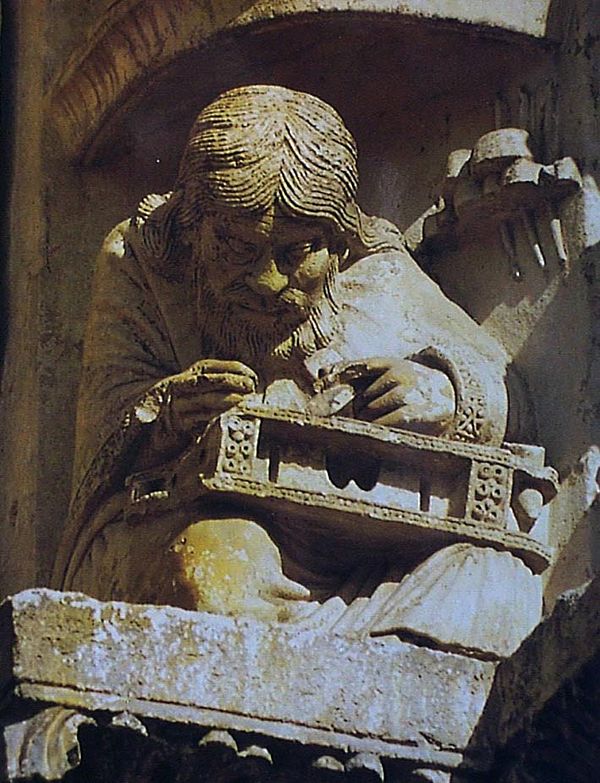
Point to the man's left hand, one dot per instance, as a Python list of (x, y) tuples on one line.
[(397, 393)]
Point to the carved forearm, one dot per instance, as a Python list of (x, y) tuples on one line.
[(160, 441)]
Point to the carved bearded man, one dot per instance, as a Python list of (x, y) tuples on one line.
[(258, 267)]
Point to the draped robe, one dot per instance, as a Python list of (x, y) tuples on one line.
[(143, 327)]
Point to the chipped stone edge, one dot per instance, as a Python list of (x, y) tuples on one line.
[(17, 684), (215, 719)]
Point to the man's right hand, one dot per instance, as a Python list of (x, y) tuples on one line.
[(206, 389)]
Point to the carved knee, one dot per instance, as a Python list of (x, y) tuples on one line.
[(230, 566)]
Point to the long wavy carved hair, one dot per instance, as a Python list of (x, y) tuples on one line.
[(262, 145)]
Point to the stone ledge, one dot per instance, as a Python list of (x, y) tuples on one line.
[(359, 695), (551, 659)]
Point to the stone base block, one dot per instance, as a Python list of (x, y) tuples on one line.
[(196, 689)]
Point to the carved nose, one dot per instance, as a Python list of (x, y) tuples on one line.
[(267, 280)]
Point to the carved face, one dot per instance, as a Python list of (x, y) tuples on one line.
[(272, 267)]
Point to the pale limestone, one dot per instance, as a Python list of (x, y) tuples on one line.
[(368, 695), (542, 320), (258, 282)]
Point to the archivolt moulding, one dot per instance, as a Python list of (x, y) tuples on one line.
[(136, 39)]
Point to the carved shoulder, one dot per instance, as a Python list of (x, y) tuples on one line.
[(136, 232), (153, 234), (392, 285), (390, 303), (385, 266)]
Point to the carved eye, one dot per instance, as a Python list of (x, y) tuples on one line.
[(297, 252), (240, 252)]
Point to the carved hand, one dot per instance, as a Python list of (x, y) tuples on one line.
[(398, 393), (205, 389)]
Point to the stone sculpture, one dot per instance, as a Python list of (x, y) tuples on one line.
[(281, 416), (499, 185)]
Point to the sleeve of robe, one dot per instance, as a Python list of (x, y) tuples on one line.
[(401, 312), (128, 354)]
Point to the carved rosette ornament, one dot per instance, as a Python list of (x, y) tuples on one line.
[(240, 442), (490, 493)]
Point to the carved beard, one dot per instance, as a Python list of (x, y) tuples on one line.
[(228, 331)]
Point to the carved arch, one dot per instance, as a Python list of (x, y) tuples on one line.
[(136, 39)]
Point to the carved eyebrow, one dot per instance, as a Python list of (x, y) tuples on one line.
[(313, 243), (236, 243)]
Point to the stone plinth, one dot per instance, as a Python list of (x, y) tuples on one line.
[(288, 697), (115, 692)]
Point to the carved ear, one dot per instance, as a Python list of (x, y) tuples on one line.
[(158, 233)]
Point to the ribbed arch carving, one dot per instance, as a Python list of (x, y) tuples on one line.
[(136, 39)]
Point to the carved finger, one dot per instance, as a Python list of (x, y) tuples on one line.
[(380, 386), (211, 401), (423, 418), (228, 381), (208, 366), (208, 382), (387, 403), (346, 372), (279, 586), (190, 412)]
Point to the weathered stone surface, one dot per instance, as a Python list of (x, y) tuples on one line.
[(374, 696), (99, 75), (257, 280), (535, 719), (425, 108), (498, 187), (545, 316), (44, 746), (564, 643), (540, 722)]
